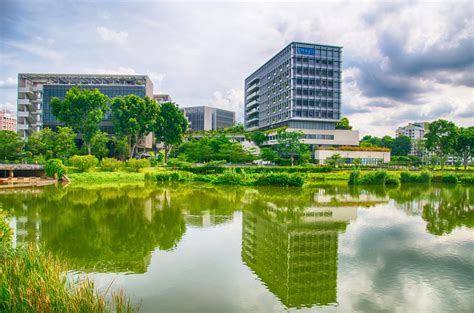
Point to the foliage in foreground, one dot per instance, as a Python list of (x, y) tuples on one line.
[(381, 178), (32, 281), (54, 167)]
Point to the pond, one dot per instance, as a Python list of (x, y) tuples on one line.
[(201, 248)]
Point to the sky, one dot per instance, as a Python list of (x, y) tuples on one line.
[(402, 61)]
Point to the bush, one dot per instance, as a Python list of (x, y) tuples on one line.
[(392, 180), (230, 177), (5, 230), (136, 165), (354, 178), (110, 164), (468, 180), (449, 179), (54, 166), (279, 179), (409, 177), (83, 163), (373, 178)]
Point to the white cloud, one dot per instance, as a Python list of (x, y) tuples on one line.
[(38, 50), (232, 100), (113, 71), (117, 37), (9, 83), (7, 106)]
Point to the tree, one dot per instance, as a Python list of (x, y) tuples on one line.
[(82, 110), (64, 143), (334, 160), (170, 126), (268, 154), (99, 144), (11, 145), (387, 142), (441, 139), (41, 143), (343, 124), (289, 144), (465, 145), (258, 137), (120, 147), (401, 146), (134, 117)]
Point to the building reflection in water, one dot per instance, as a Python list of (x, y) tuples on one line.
[(295, 252)]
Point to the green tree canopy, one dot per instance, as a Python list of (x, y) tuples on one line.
[(441, 139), (401, 146), (170, 126), (64, 143), (11, 145), (99, 144), (289, 145), (82, 110), (258, 137), (42, 143), (134, 117), (465, 145), (343, 124)]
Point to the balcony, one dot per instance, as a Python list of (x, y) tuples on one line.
[(24, 90), (252, 104), (24, 101), (252, 96), (253, 119), (23, 113), (252, 111), (252, 88), (22, 126)]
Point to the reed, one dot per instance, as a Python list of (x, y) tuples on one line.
[(34, 281)]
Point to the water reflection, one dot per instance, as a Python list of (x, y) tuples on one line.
[(293, 240)]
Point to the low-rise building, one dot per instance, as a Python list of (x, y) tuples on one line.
[(416, 132), (366, 156), (202, 118), (7, 121), (162, 98)]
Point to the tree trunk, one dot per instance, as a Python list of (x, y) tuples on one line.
[(292, 159), (129, 147), (89, 148)]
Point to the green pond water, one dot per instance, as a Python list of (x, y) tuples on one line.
[(201, 248)]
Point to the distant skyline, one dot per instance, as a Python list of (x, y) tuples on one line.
[(402, 62)]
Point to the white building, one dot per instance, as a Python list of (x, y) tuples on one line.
[(416, 132), (367, 157)]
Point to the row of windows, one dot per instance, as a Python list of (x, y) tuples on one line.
[(316, 93), (316, 72), (316, 82), (308, 61), (312, 125), (325, 52), (319, 136), (314, 113), (316, 103)]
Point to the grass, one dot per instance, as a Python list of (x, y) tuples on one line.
[(33, 281), (248, 176)]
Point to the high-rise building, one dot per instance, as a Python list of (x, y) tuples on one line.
[(7, 121), (203, 118), (416, 132), (35, 92), (299, 88)]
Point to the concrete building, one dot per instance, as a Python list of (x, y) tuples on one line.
[(299, 88), (202, 118), (162, 98), (366, 157), (416, 132), (7, 121), (35, 92)]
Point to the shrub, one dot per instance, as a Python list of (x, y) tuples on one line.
[(449, 179), (409, 177), (354, 178), (468, 180), (279, 179), (83, 163), (392, 180), (229, 177), (5, 230), (110, 164), (373, 178), (136, 165), (54, 166)]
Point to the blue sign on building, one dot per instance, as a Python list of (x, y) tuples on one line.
[(307, 51)]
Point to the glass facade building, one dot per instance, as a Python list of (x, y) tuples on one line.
[(300, 87), (203, 118), (35, 92)]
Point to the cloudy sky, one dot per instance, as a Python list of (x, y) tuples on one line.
[(402, 61)]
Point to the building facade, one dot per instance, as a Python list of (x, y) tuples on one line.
[(416, 132), (299, 88), (7, 121), (162, 98), (366, 157), (35, 92), (202, 118)]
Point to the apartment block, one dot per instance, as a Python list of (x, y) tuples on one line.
[(7, 121)]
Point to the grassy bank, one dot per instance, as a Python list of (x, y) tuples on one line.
[(34, 281), (268, 176)]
